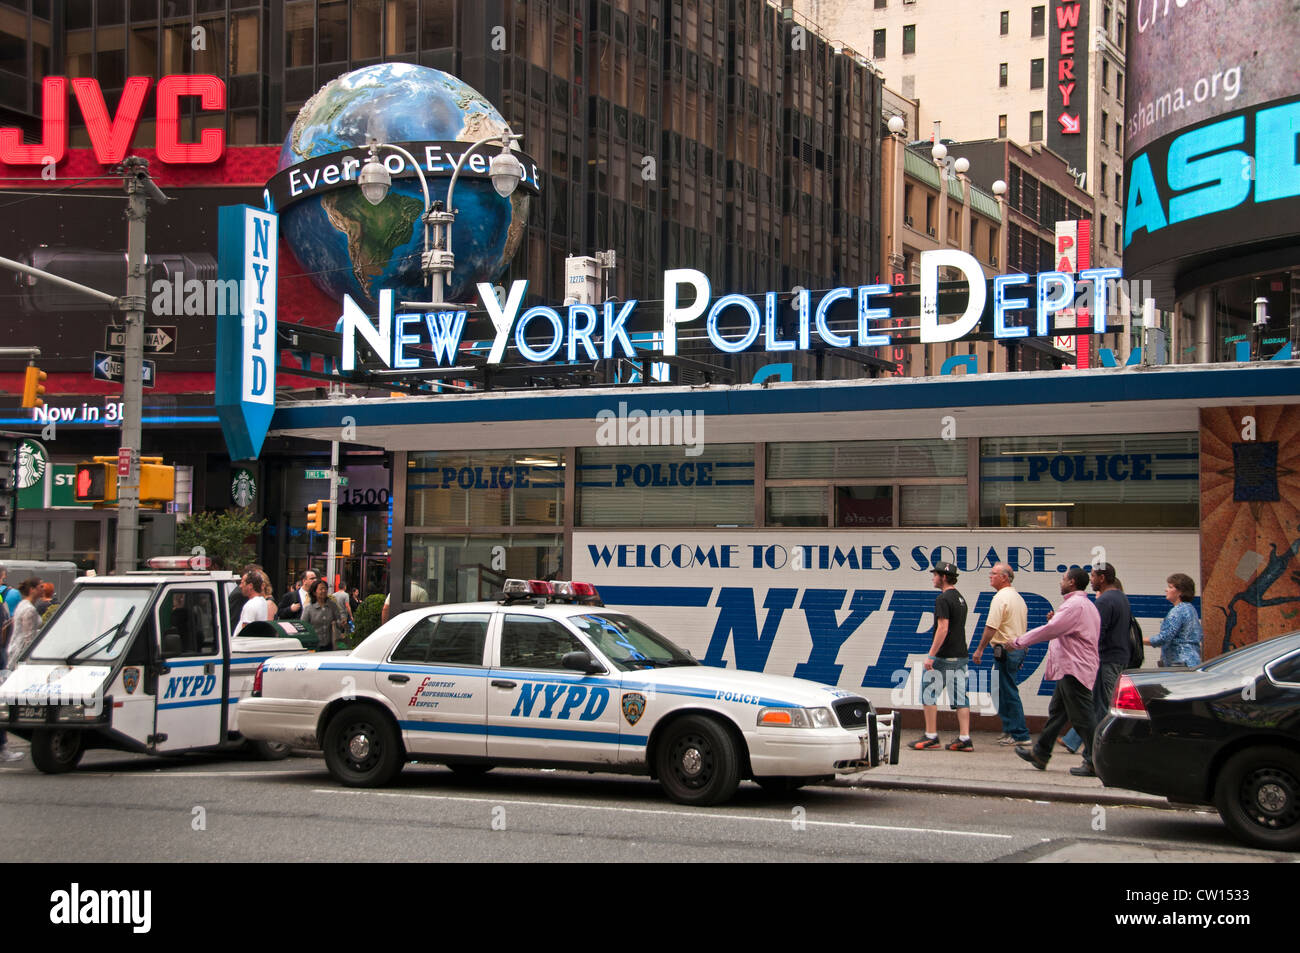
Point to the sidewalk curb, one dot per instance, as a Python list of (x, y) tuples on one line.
[(1021, 792)]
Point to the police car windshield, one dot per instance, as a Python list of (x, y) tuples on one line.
[(629, 643), (88, 613)]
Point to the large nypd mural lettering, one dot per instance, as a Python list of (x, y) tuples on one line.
[(856, 609)]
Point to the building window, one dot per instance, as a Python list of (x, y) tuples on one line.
[(1103, 178), (1101, 232), (1004, 24), (1138, 481), (1036, 74), (1119, 187), (1038, 21), (485, 488), (1119, 138), (909, 39), (1105, 75), (1105, 18), (442, 569), (1002, 74), (1036, 126), (1119, 86), (1002, 126), (1118, 236), (657, 486), (1105, 121), (881, 4), (867, 483), (1119, 32), (878, 44)]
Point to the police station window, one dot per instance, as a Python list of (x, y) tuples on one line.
[(866, 483), (485, 488), (1036, 74), (666, 485), (1038, 21), (1131, 481), (460, 568)]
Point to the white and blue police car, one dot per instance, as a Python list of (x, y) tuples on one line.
[(548, 677)]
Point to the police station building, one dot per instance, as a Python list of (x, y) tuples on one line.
[(791, 527)]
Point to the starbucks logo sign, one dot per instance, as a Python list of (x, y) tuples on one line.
[(32, 463), (243, 488)]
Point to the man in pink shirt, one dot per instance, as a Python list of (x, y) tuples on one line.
[(1072, 662)]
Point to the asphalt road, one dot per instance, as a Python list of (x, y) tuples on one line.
[(204, 809)]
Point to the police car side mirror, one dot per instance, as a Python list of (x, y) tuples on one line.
[(581, 662)]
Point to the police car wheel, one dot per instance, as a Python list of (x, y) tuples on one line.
[(268, 750), (698, 762), (56, 750), (362, 749)]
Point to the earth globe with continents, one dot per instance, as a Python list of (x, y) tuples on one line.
[(352, 247)]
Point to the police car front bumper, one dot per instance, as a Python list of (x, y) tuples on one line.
[(815, 752)]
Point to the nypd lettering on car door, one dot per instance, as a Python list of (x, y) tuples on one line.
[(548, 695)]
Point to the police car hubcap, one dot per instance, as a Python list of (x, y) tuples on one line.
[(359, 747), (692, 761)]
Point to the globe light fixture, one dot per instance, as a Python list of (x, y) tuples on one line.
[(505, 170), (374, 179), (939, 151), (962, 165), (896, 124), (999, 188)]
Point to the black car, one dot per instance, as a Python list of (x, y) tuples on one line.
[(1226, 733)]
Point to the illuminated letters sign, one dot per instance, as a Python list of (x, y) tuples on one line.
[(111, 137), (583, 332), (246, 348), (1067, 83)]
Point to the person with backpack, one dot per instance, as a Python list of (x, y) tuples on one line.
[(1114, 645)]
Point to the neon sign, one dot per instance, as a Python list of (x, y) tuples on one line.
[(111, 137), (582, 332)]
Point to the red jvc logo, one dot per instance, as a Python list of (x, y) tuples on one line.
[(111, 138)]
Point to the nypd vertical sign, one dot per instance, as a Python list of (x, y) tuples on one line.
[(246, 348)]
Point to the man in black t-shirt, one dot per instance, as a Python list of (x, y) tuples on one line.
[(946, 665)]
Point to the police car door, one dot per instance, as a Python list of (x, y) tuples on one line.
[(539, 710), (191, 711), (436, 679)]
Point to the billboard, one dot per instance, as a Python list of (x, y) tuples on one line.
[(1211, 124)]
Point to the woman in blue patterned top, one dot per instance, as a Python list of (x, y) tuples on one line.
[(1180, 636)]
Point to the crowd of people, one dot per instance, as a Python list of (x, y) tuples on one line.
[(1090, 644), (329, 614)]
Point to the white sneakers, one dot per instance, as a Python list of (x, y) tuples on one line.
[(8, 756)]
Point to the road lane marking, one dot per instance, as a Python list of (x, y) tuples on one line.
[(663, 812)]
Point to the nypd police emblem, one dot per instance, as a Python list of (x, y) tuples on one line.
[(633, 707), (130, 679)]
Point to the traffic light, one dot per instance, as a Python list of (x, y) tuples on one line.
[(34, 387), (345, 546), (157, 482), (96, 482), (316, 515)]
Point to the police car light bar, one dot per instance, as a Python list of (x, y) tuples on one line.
[(173, 563)]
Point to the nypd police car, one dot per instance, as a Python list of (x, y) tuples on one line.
[(547, 677)]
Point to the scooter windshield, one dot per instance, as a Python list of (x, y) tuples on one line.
[(91, 615)]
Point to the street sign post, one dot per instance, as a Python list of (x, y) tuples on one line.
[(157, 340), (323, 475), (108, 367), (124, 461)]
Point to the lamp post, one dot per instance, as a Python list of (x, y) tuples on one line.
[(438, 261)]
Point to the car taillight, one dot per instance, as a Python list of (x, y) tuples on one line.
[(257, 683), (1127, 702)]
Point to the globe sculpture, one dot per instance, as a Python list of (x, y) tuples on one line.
[(352, 247)]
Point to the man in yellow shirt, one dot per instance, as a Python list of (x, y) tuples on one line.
[(1008, 619)]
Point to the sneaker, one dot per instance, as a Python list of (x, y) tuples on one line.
[(1027, 754), (8, 757), (924, 742), (1007, 741), (961, 744)]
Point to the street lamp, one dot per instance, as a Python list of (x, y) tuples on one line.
[(438, 262)]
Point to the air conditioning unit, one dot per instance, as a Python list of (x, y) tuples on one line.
[(907, 220), (932, 232)]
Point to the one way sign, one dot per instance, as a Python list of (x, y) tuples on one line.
[(108, 367), (157, 340)]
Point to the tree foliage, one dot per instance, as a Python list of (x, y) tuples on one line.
[(221, 536), (367, 616)]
